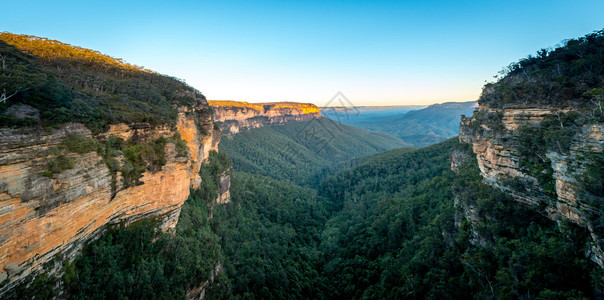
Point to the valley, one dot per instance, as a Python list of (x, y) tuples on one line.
[(120, 182), (416, 126)]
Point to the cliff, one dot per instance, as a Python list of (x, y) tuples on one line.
[(232, 116), (538, 135), (43, 217), (556, 188), (88, 141)]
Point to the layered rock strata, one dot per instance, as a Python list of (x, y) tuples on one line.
[(232, 116), (494, 135), (46, 216)]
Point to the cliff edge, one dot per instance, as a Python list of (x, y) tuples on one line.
[(538, 135), (87, 141), (232, 116)]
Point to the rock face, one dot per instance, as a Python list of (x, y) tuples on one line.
[(232, 116), (495, 135), (224, 194), (46, 216), (199, 292)]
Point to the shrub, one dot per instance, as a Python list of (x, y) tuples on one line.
[(57, 165), (180, 145), (140, 157), (80, 144)]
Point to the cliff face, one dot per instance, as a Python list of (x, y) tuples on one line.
[(224, 193), (232, 116), (538, 156), (44, 216)]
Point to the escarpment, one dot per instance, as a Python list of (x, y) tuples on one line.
[(538, 135), (44, 215), (232, 116), (529, 153), (89, 141)]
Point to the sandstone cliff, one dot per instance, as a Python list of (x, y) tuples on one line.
[(44, 216), (232, 116), (86, 141), (538, 135), (514, 156)]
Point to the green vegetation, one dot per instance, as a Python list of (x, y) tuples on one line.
[(302, 151), (572, 75), (80, 144), (591, 186), (138, 156), (210, 184), (75, 143), (179, 145), (554, 134), (392, 225), (57, 165), (391, 235), (269, 235), (72, 84), (383, 228), (140, 261)]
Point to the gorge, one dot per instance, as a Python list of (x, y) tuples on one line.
[(119, 182)]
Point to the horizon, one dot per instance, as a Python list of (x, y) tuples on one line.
[(377, 54), (339, 106)]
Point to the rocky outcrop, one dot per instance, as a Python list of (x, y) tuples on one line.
[(44, 216), (497, 137), (199, 292), (224, 194), (232, 116)]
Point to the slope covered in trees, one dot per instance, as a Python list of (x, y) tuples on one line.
[(570, 75), (301, 151), (384, 228), (395, 236), (65, 83)]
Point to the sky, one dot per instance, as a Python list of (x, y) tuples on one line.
[(373, 52)]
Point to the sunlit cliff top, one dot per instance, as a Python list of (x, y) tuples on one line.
[(305, 107)]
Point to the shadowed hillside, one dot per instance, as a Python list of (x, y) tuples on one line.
[(299, 151)]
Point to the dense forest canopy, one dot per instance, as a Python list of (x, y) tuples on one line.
[(64, 83), (301, 151), (383, 228)]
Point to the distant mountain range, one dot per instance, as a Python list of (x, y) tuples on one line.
[(416, 125)]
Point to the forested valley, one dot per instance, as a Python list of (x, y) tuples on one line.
[(383, 227), (356, 216)]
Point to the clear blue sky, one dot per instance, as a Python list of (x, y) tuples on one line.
[(375, 52)]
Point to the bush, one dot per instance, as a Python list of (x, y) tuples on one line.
[(179, 145), (58, 165), (141, 157), (80, 144)]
